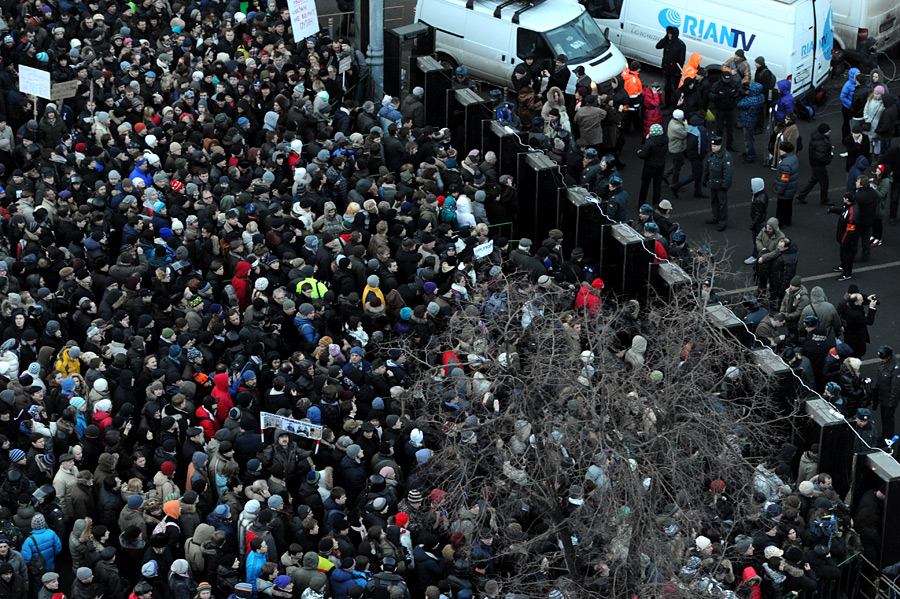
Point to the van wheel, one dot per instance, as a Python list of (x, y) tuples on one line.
[(447, 61)]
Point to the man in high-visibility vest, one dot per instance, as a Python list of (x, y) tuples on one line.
[(635, 90), (318, 289)]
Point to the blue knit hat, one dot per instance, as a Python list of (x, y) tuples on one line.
[(16, 455)]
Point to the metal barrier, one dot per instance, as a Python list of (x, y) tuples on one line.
[(509, 224), (859, 579)]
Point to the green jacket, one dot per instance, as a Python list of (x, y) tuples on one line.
[(718, 170)]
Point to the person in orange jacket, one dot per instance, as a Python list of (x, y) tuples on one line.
[(631, 78), (690, 69)]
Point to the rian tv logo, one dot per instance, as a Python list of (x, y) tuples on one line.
[(702, 29)]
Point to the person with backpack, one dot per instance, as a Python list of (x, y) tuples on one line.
[(821, 153), (723, 95)]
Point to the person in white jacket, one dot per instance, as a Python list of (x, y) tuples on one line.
[(464, 215)]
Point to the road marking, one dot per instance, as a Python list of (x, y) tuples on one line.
[(820, 277)]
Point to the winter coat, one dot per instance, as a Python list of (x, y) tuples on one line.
[(887, 382), (652, 114), (429, 567), (887, 124), (654, 153), (529, 105), (47, 543), (856, 332), (750, 107), (872, 115), (784, 267), (718, 170), (413, 108), (792, 305), (767, 245), (785, 102), (677, 132), (759, 207), (820, 152), (821, 308), (848, 88), (673, 51), (588, 119), (809, 467), (697, 140), (867, 201), (788, 177), (859, 168)]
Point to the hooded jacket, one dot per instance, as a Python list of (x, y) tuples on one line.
[(767, 244), (820, 151), (785, 102), (759, 202), (887, 124), (673, 51), (222, 394), (849, 88), (821, 308), (859, 168), (241, 285), (690, 69)]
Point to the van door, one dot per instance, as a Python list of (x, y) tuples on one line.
[(528, 42), (487, 45), (824, 22)]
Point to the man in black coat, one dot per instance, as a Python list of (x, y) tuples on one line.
[(887, 389), (653, 153), (560, 75), (820, 155), (867, 201), (672, 63)]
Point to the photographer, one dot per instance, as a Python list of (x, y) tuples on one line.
[(857, 321)]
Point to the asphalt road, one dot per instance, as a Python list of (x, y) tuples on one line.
[(813, 228)]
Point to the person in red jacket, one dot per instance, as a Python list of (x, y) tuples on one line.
[(750, 579), (222, 395), (241, 285), (589, 297)]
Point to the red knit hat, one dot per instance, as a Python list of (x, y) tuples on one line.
[(401, 519), (168, 468)]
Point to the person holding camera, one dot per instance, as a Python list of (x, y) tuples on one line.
[(857, 320)]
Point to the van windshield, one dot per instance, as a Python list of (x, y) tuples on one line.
[(579, 39)]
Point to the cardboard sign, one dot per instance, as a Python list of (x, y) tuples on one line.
[(35, 82), (485, 249), (291, 425), (61, 91), (304, 18), (345, 64)]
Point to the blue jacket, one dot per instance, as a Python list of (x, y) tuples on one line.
[(750, 106), (48, 544), (849, 88), (146, 176), (255, 561), (306, 328), (859, 168), (342, 581), (785, 102)]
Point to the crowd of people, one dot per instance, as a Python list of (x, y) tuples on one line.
[(219, 224)]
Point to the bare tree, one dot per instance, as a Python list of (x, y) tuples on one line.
[(590, 460)]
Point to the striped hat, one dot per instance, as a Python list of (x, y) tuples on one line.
[(243, 589), (204, 586)]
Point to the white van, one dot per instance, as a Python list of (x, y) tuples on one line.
[(490, 37), (855, 21), (794, 36)]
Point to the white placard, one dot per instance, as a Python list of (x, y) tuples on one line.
[(304, 18), (291, 425), (35, 82), (484, 249)]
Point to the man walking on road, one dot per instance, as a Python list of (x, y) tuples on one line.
[(718, 171), (821, 153)]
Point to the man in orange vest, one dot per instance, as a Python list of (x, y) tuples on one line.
[(635, 90)]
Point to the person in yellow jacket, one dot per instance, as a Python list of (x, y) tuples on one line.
[(318, 288), (631, 78), (372, 289), (68, 363)]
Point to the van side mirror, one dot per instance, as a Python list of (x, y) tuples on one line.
[(606, 32)]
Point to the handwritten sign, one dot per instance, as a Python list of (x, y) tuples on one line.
[(61, 91), (345, 64), (485, 249), (35, 82), (304, 18)]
